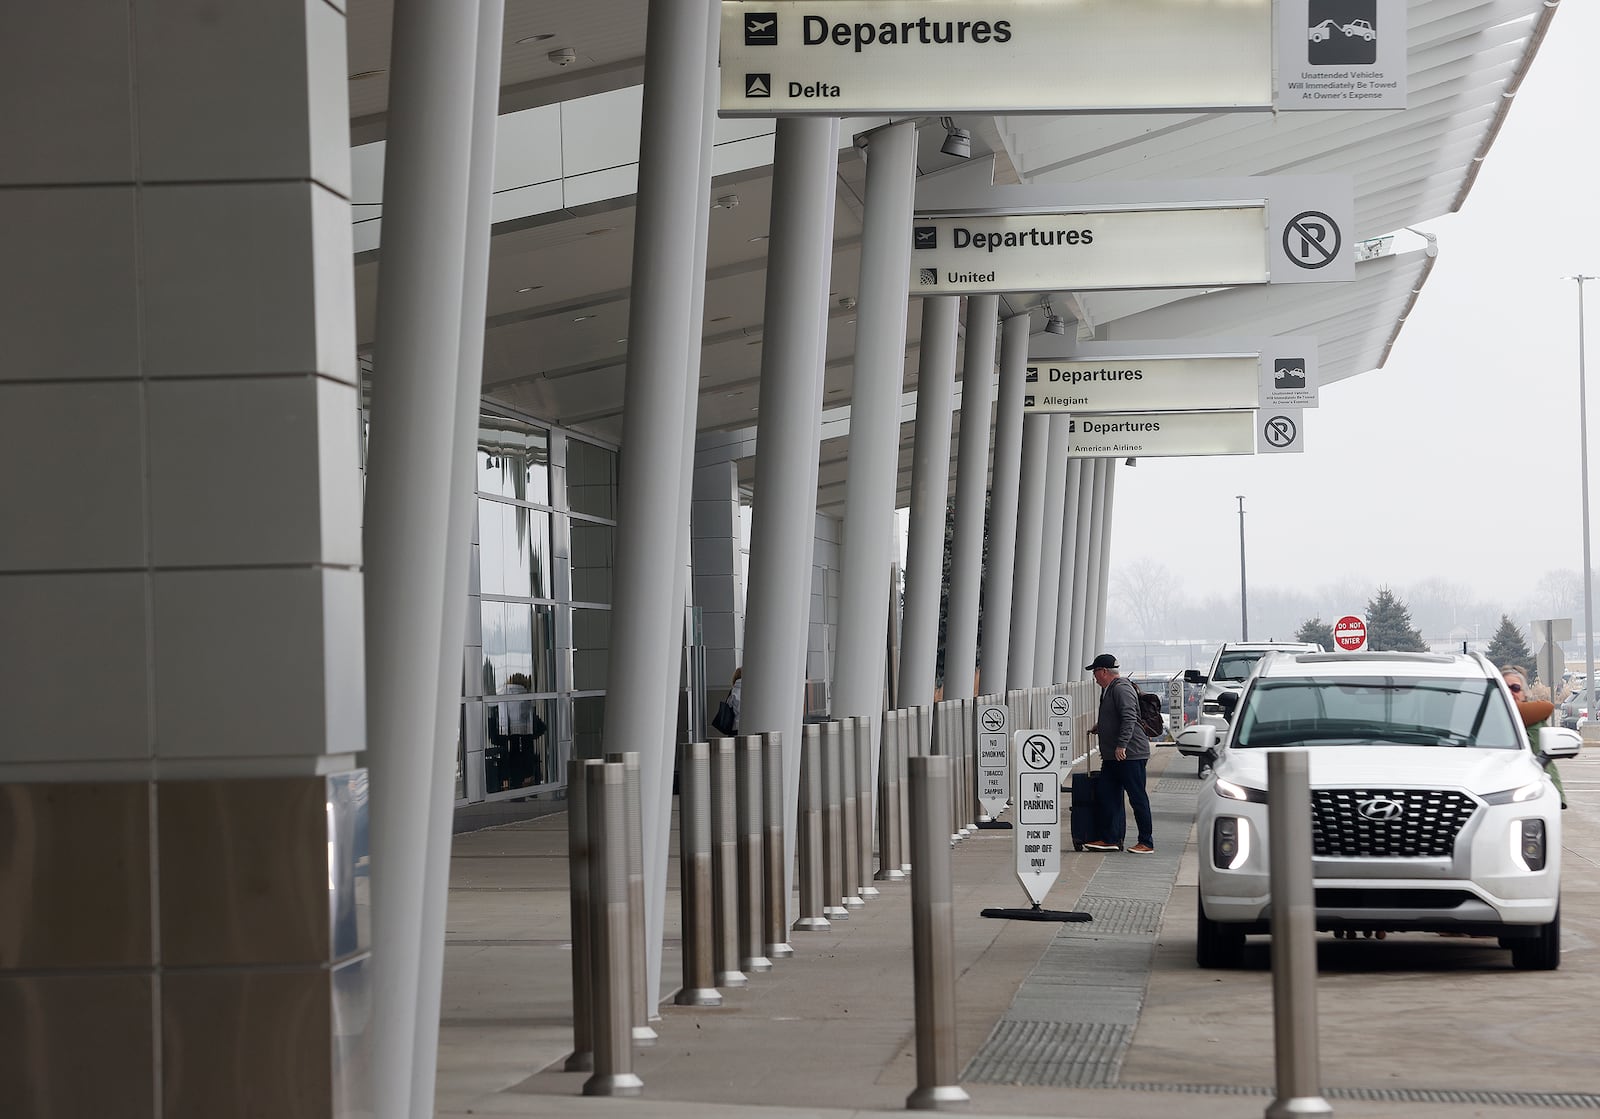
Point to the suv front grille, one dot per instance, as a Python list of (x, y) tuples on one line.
[(1424, 827)]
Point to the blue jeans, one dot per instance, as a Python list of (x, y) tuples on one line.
[(1117, 778)]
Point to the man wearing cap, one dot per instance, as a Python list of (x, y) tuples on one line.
[(1124, 754)]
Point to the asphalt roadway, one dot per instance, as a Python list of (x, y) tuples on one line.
[(1109, 1019)]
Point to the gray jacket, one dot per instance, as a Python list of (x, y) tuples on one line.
[(1118, 724)]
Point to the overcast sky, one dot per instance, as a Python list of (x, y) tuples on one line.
[(1460, 458)]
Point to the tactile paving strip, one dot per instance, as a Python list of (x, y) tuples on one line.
[(1116, 917), (1567, 1101)]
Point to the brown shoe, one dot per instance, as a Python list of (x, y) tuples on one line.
[(1101, 845), (1141, 849)]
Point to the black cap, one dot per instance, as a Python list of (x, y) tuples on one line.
[(1104, 660)]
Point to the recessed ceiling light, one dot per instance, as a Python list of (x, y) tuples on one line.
[(597, 232), (759, 237), (530, 287), (365, 74), (582, 318), (722, 318), (736, 392), (753, 342), (621, 340), (536, 38)]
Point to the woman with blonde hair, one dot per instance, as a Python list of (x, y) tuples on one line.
[(1535, 713)]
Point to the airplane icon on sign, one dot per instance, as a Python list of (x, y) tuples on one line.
[(761, 29)]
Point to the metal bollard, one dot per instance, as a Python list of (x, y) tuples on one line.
[(748, 752), (833, 823), (889, 860), (725, 865), (694, 876), (967, 710), (609, 922), (1294, 938), (849, 840), (809, 841), (643, 1034), (775, 894), (582, 1057), (865, 800), (913, 745), (933, 939)]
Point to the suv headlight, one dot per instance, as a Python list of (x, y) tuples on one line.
[(1240, 792), (1230, 842), (1515, 796)]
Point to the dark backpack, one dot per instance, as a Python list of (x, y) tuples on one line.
[(1149, 710)]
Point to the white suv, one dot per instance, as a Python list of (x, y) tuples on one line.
[(1230, 668), (1429, 810)]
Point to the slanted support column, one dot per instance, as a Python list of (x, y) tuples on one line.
[(1096, 586), (997, 582), (1108, 506), (972, 485), (1055, 490), (783, 519), (875, 423), (1077, 658), (930, 484), (1026, 564), (647, 602), (1064, 666)]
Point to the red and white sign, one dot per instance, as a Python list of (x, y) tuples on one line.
[(1350, 633)]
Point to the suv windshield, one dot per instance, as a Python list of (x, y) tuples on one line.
[(1425, 711), (1237, 666)]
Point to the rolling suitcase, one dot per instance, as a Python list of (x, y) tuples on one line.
[(1088, 810)]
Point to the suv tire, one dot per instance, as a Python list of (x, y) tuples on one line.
[(1216, 944), (1541, 952)]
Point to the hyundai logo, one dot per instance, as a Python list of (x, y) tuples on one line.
[(1381, 809)]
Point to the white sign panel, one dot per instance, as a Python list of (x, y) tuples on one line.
[(1162, 434), (1280, 431), (994, 757), (971, 236), (1037, 832), (1289, 375), (1146, 384), (1061, 727), (832, 58), (1341, 54), (1090, 251)]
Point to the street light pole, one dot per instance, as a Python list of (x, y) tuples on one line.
[(1583, 451), (1244, 610)]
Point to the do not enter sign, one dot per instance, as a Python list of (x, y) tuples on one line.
[(1350, 633)]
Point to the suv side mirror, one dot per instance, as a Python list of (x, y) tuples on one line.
[(1229, 702), (1198, 739), (1558, 742), (1194, 676)]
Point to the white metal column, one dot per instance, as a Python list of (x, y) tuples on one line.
[(867, 552), (1055, 490), (972, 486), (458, 541), (1065, 669), (930, 486), (1003, 505), (418, 337), (645, 614), (783, 516), (1097, 526), (1108, 507), (1076, 658), (1025, 565)]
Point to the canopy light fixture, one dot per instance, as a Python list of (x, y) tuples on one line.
[(957, 141)]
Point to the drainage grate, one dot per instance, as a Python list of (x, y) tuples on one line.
[(1178, 783), (1060, 1054), (1117, 917), (1569, 1101)]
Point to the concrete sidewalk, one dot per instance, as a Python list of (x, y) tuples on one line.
[(1104, 1019)]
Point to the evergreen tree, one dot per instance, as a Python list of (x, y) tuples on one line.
[(1389, 625), (1316, 630), (1508, 647)]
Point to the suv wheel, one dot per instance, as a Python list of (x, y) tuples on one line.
[(1539, 953), (1216, 944)]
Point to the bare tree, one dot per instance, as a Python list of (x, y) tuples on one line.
[(1559, 594), (1150, 592)]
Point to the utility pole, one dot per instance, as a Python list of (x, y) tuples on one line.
[(1244, 610), (1583, 451)]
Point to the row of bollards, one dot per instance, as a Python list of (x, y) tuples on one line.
[(835, 839)]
